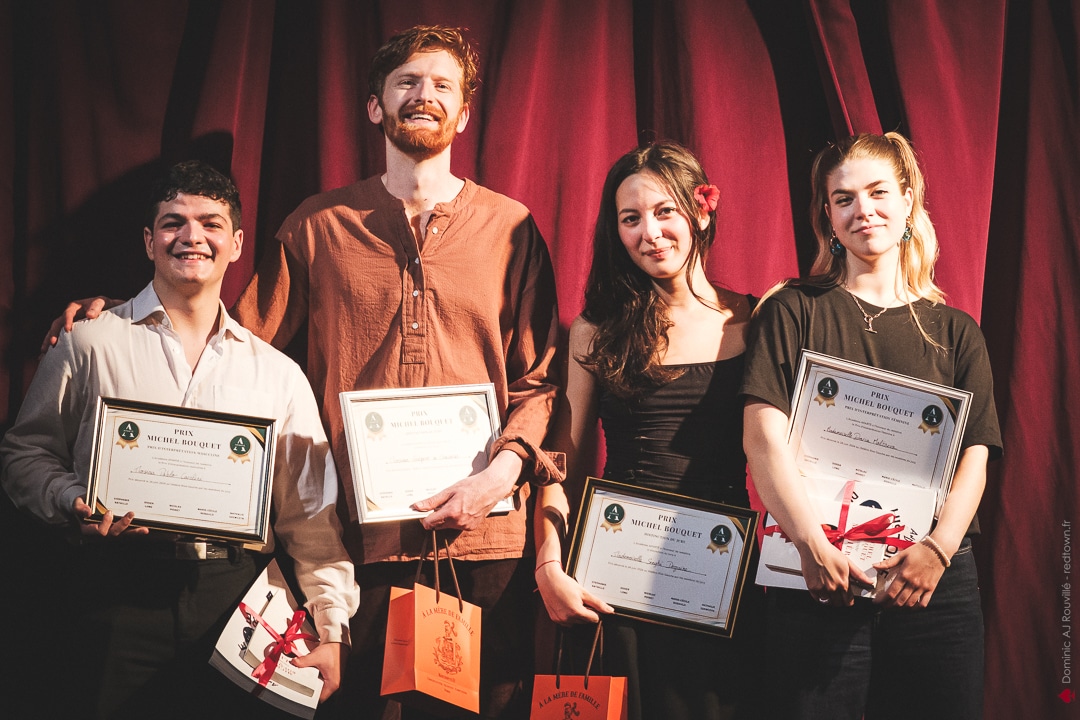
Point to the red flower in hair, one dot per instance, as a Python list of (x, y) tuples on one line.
[(707, 196)]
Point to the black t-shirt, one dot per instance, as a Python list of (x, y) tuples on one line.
[(828, 321)]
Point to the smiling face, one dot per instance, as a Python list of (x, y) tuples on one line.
[(657, 237), (191, 243), (867, 208), (422, 107)]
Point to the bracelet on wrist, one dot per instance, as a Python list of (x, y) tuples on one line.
[(933, 545), (546, 562)]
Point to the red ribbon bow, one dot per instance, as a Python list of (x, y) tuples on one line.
[(707, 196), (283, 644), (876, 530)]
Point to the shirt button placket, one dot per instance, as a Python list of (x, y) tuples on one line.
[(413, 337)]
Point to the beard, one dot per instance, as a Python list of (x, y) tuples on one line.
[(417, 142)]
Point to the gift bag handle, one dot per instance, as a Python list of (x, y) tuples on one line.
[(597, 641), (449, 559)]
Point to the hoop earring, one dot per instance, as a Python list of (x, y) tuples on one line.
[(907, 234), (835, 247)]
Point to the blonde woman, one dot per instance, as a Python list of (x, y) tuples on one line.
[(917, 650)]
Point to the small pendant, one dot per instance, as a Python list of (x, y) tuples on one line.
[(868, 318)]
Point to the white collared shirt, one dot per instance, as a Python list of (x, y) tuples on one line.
[(132, 352)]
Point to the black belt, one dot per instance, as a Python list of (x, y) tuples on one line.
[(194, 550), (202, 550)]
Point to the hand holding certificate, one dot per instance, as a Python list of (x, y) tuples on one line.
[(866, 521), (662, 557), (878, 451), (407, 444), (183, 470), (267, 627)]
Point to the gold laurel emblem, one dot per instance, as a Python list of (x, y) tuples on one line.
[(469, 417), (374, 424)]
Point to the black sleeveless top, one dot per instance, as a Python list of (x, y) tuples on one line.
[(684, 436)]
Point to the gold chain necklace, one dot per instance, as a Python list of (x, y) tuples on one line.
[(867, 316)]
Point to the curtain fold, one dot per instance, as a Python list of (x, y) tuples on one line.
[(102, 95), (557, 110), (714, 90), (1030, 514), (846, 82), (948, 67)]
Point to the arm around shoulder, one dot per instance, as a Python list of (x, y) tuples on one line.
[(88, 308)]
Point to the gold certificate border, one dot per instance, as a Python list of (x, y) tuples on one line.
[(367, 512), (264, 428), (745, 518)]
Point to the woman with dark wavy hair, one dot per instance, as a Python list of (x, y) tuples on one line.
[(917, 649), (656, 355)]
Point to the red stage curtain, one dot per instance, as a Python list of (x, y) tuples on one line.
[(1031, 317), (96, 97)]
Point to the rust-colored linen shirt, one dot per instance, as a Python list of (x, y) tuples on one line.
[(473, 303)]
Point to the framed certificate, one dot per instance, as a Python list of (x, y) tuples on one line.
[(860, 423), (183, 470), (662, 557), (406, 444)]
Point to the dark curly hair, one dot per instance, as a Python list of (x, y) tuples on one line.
[(194, 177)]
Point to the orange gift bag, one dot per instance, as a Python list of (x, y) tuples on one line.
[(432, 654), (578, 697)]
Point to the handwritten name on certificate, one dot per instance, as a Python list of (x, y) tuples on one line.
[(175, 470), (860, 423), (406, 444), (663, 561)]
